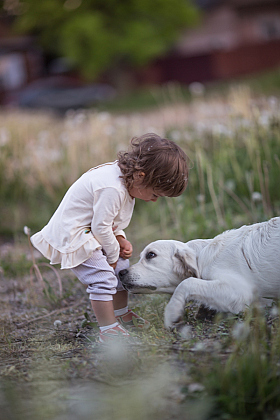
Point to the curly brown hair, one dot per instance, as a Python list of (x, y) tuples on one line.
[(163, 162)]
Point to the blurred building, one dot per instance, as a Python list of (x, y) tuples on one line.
[(29, 80), (21, 60), (234, 38)]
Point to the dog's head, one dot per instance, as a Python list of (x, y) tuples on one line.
[(162, 266)]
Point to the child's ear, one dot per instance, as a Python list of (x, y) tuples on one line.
[(139, 175)]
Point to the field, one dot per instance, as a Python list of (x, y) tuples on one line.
[(222, 367)]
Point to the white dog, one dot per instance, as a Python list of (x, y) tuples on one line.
[(226, 273)]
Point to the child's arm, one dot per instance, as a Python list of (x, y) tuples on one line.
[(107, 204), (125, 247)]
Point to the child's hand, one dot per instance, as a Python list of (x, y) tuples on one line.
[(114, 265), (125, 247)]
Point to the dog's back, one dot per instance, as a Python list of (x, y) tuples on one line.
[(262, 252), (251, 252)]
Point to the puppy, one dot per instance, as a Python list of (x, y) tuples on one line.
[(226, 273)]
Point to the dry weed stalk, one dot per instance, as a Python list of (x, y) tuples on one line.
[(35, 269)]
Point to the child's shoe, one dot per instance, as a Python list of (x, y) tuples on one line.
[(113, 333), (131, 320)]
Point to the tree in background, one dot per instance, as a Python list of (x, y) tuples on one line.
[(103, 35)]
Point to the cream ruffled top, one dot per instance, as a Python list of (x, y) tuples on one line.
[(95, 209)]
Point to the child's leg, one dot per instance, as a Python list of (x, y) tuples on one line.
[(109, 300), (120, 299), (101, 283), (104, 312), (126, 317)]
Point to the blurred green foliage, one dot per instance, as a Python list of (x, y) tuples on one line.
[(97, 35)]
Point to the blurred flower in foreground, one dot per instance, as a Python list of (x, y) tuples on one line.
[(27, 230), (230, 184), (196, 89), (186, 332), (195, 387), (240, 331), (256, 197), (200, 198), (274, 311)]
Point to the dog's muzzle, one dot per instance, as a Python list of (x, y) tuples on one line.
[(128, 283), (122, 275)]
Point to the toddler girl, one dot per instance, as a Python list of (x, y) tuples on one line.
[(86, 231)]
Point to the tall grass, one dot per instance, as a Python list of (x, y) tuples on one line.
[(233, 145), (234, 148), (248, 385)]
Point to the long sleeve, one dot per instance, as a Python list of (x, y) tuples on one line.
[(107, 205)]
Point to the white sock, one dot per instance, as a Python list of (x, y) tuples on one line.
[(122, 311), (107, 327)]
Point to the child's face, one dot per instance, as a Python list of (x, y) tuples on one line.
[(144, 193), (141, 191)]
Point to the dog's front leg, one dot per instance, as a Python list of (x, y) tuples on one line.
[(214, 294), (174, 310)]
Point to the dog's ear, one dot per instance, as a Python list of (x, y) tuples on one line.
[(185, 263)]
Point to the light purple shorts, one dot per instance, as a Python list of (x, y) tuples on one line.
[(101, 279)]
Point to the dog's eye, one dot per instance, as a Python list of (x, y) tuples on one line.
[(150, 255)]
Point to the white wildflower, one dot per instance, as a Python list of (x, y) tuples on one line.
[(175, 135), (196, 89), (200, 346), (220, 129), (272, 101), (230, 184), (240, 331), (80, 117), (264, 120), (103, 116), (186, 332), (4, 136), (200, 198), (256, 197), (57, 323), (54, 155), (274, 311), (27, 230), (195, 387)]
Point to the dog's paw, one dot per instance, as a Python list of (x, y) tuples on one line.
[(172, 317)]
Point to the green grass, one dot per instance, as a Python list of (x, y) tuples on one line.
[(234, 175), (145, 98), (232, 361), (247, 385)]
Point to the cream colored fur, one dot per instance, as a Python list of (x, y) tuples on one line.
[(226, 273)]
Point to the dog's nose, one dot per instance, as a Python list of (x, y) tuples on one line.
[(123, 273)]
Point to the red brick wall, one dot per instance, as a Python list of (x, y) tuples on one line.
[(246, 60), (217, 65)]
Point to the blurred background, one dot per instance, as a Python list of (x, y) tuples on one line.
[(78, 80), (76, 53)]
